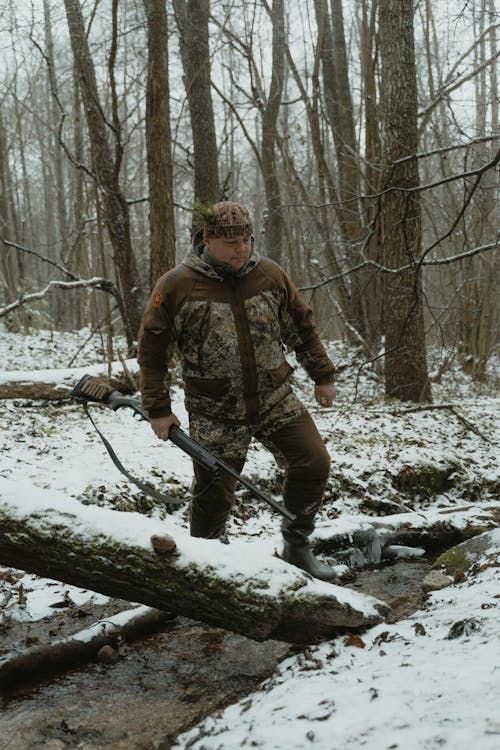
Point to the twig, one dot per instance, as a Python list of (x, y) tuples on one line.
[(17, 246), (91, 334), (429, 407), (131, 379)]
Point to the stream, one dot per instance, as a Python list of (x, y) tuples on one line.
[(156, 688)]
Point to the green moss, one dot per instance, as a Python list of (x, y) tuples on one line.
[(471, 531), (454, 559), (426, 479)]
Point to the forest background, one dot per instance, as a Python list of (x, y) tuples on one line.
[(363, 137)]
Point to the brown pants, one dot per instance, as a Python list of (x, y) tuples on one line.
[(297, 447)]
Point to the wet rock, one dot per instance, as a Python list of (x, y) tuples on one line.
[(399, 584), (54, 745), (435, 581), (107, 655)]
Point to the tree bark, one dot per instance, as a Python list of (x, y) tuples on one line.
[(192, 19), (274, 224), (406, 375), (339, 109), (107, 172), (158, 139), (201, 580)]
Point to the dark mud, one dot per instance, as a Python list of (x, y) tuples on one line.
[(165, 683)]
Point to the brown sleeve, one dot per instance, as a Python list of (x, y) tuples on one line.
[(156, 344), (300, 333)]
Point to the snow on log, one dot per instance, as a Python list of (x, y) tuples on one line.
[(64, 652), (240, 587)]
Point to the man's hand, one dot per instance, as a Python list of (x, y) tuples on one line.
[(324, 394), (161, 425)]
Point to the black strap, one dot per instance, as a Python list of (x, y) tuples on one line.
[(142, 485)]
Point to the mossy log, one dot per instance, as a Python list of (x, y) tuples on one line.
[(226, 586), (79, 647)]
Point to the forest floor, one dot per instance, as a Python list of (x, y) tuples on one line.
[(420, 680)]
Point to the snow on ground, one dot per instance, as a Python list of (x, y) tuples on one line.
[(417, 683)]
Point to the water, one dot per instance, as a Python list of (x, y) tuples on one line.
[(165, 683)]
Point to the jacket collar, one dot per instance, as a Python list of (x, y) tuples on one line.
[(194, 259)]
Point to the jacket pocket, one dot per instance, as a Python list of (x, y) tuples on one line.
[(280, 374), (212, 387)]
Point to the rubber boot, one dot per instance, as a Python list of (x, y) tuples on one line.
[(299, 553), (296, 547)]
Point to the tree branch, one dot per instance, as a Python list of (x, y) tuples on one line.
[(98, 283), (43, 258), (384, 269)]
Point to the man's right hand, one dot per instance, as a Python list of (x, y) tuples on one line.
[(161, 425)]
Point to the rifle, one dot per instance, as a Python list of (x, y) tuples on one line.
[(92, 389)]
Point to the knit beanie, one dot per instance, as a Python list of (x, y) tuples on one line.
[(229, 219)]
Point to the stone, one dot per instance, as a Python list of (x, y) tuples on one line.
[(107, 655), (163, 544), (435, 581), (461, 557)]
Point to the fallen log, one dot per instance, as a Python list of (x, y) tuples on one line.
[(56, 385), (35, 391), (239, 587), (79, 647)]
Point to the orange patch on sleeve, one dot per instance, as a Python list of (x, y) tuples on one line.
[(156, 299)]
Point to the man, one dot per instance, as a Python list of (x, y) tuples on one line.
[(231, 314)]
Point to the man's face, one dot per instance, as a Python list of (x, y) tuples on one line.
[(234, 251)]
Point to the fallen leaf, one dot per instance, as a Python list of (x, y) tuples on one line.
[(354, 640)]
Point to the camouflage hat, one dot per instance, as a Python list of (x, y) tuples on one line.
[(229, 220)]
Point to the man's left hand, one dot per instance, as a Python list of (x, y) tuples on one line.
[(325, 394)]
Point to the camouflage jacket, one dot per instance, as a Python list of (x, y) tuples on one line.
[(231, 331)]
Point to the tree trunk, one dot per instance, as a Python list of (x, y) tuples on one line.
[(338, 100), (112, 553), (107, 172), (7, 280), (192, 19), (406, 376), (77, 194), (373, 159), (274, 224), (479, 295), (56, 184), (158, 137)]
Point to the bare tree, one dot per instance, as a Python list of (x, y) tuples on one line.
[(339, 109), (192, 19), (274, 224), (406, 375), (158, 138), (479, 306), (107, 167)]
